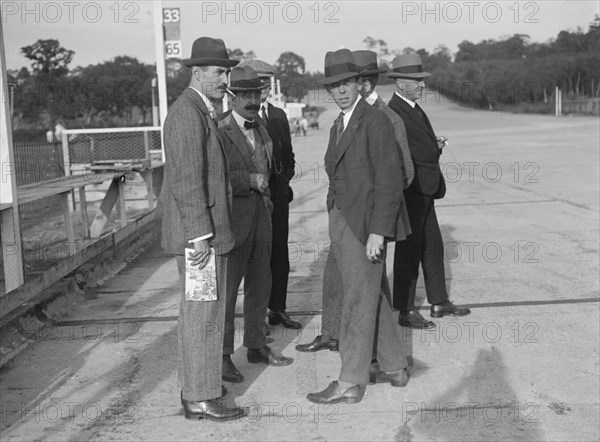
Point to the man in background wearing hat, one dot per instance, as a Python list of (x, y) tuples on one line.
[(281, 195), (250, 156), (425, 244), (195, 207), (362, 163)]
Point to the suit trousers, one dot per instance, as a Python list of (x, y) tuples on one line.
[(367, 318), (200, 338), (280, 262), (251, 261), (332, 296), (424, 246)]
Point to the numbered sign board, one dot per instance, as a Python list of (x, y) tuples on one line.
[(172, 28)]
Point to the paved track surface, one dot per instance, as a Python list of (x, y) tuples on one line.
[(521, 230)]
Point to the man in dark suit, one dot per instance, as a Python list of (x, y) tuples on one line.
[(366, 63), (250, 156), (281, 195), (425, 244), (195, 207), (362, 163)]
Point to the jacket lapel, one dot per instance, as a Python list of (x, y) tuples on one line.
[(350, 131), (238, 139), (406, 110)]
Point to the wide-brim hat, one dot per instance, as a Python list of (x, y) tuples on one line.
[(366, 63), (244, 79), (339, 65), (208, 51), (408, 66), (262, 68)]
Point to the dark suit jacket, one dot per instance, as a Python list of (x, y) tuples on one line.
[(424, 149), (241, 165), (196, 196), (283, 155), (403, 226), (363, 173)]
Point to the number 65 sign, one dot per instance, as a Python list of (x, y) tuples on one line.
[(171, 24)]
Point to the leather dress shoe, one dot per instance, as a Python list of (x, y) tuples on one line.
[(319, 344), (333, 394), (230, 373), (281, 317), (266, 355), (447, 308), (414, 319), (210, 409), (398, 379)]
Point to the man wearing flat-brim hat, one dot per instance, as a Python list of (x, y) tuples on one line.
[(281, 195), (195, 207), (425, 245), (250, 155), (362, 163)]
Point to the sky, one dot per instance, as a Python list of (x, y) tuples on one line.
[(101, 30)]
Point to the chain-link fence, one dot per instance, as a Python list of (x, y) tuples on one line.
[(118, 144)]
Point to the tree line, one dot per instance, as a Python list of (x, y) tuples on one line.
[(118, 92)]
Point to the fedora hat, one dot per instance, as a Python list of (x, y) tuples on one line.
[(408, 66), (366, 63), (339, 65), (244, 78), (208, 51), (262, 69)]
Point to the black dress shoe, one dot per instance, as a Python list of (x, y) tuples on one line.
[(266, 355), (333, 394), (230, 373), (210, 409), (398, 379), (414, 319), (319, 344), (447, 308), (281, 317)]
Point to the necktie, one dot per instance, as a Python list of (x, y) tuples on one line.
[(263, 113), (251, 124), (339, 127)]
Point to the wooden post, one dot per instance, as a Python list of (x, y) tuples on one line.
[(121, 207), (84, 214), (12, 253), (68, 222)]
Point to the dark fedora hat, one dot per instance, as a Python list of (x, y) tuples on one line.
[(408, 66), (208, 51), (366, 63), (339, 65), (244, 78)]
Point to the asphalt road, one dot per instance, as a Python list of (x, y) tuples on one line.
[(521, 228)]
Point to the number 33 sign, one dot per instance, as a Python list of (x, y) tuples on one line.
[(171, 24)]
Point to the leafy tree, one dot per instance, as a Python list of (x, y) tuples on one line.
[(290, 69), (48, 57)]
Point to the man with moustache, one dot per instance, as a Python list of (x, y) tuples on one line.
[(425, 245), (250, 156), (362, 163), (281, 195), (195, 206)]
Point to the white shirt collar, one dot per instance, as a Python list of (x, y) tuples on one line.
[(265, 104), (410, 102), (209, 105), (348, 112), (371, 99), (239, 119)]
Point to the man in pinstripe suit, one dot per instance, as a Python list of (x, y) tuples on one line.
[(195, 206)]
